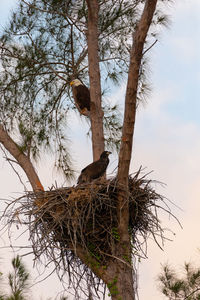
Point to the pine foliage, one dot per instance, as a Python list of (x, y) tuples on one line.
[(43, 48), (186, 286)]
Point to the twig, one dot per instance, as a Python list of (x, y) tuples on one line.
[(149, 47)]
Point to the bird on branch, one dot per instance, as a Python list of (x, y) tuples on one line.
[(95, 169), (81, 96)]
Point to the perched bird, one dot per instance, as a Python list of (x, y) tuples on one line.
[(95, 169), (81, 96)]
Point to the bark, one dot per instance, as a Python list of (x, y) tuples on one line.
[(96, 113), (119, 274), (139, 38), (21, 159), (117, 277), (124, 246)]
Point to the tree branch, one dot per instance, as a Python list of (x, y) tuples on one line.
[(149, 47), (21, 158)]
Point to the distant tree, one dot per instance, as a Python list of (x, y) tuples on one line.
[(180, 287), (18, 281)]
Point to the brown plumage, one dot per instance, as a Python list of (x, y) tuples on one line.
[(95, 169), (81, 96)]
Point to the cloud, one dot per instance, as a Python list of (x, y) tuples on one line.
[(170, 146), (185, 30), (186, 48)]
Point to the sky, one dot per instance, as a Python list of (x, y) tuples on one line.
[(166, 140)]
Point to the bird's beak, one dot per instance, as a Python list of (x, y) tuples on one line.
[(71, 83), (108, 152)]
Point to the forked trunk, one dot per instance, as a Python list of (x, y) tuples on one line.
[(119, 273)]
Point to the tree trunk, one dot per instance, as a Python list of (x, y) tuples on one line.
[(124, 246), (119, 273), (120, 281), (96, 113), (21, 159), (117, 276), (139, 38)]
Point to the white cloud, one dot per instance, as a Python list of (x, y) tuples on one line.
[(171, 148), (186, 7), (182, 38), (186, 48)]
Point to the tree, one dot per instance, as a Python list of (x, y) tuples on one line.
[(48, 44), (18, 281), (185, 287)]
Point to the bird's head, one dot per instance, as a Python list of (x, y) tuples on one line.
[(75, 82), (105, 154)]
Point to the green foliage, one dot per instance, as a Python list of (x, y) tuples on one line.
[(113, 287), (115, 234), (112, 127), (94, 253), (18, 280), (174, 288), (44, 47)]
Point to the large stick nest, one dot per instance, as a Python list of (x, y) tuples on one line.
[(61, 220)]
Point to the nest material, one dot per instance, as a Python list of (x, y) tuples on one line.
[(85, 216)]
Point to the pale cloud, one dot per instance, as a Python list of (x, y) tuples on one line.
[(186, 6), (186, 49), (171, 148), (181, 41)]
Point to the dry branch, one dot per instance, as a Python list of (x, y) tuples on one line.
[(84, 218)]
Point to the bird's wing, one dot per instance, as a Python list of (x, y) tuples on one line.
[(83, 96), (81, 179), (95, 169), (84, 176)]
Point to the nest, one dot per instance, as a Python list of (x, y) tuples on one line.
[(61, 220)]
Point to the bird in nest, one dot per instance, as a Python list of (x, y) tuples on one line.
[(95, 169), (81, 96)]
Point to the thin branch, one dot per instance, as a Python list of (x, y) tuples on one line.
[(65, 16), (149, 47)]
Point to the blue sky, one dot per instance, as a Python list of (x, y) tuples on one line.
[(6, 7), (167, 140), (179, 64)]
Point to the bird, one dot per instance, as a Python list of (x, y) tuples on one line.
[(81, 96), (95, 169)]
